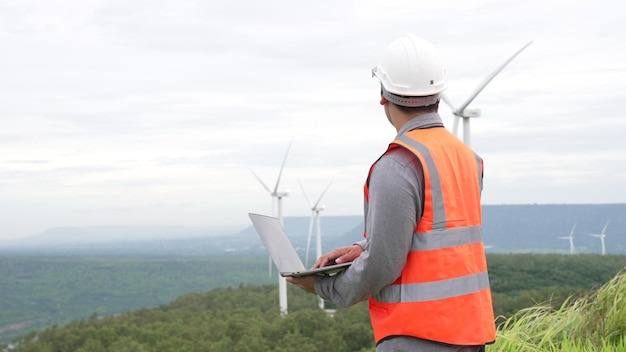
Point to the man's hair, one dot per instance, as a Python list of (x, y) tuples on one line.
[(408, 110)]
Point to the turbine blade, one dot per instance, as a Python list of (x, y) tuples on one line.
[(455, 126), (303, 192), (262, 183), (446, 100), (571, 234), (488, 79), (322, 195), (282, 167), (605, 226)]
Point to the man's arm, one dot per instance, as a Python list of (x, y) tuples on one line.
[(395, 202)]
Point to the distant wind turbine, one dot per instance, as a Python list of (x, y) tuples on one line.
[(279, 195), (463, 112), (572, 250), (315, 222), (602, 235)]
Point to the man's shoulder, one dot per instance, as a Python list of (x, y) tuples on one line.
[(400, 161), (402, 156)]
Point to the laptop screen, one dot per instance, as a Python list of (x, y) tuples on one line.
[(277, 243)]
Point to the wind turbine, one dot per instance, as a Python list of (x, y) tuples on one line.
[(315, 220), (601, 235), (278, 195), (571, 240), (463, 112)]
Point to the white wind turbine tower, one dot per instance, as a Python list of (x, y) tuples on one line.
[(465, 113), (278, 195), (601, 235), (572, 250), (315, 222)]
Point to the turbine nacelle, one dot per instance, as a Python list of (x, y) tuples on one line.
[(470, 113), (281, 194)]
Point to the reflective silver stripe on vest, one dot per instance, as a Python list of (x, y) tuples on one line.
[(458, 236), (439, 211), (434, 290), (479, 165)]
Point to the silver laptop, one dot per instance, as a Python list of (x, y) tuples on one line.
[(281, 250)]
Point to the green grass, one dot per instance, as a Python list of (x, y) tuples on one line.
[(594, 323)]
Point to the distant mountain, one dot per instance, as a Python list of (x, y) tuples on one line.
[(537, 228), (109, 234), (169, 240), (506, 228)]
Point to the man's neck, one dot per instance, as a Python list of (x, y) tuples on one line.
[(400, 118)]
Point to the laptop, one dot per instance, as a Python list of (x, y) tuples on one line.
[(283, 253)]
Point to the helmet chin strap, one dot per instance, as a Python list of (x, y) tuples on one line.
[(411, 102)]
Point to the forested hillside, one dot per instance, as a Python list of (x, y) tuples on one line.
[(523, 280), (245, 319), (39, 292)]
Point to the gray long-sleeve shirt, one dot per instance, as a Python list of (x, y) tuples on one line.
[(395, 206)]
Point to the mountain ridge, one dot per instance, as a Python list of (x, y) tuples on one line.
[(506, 228)]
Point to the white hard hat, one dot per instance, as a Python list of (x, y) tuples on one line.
[(412, 72)]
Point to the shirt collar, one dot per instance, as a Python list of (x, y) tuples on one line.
[(423, 121)]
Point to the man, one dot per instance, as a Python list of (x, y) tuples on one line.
[(422, 265)]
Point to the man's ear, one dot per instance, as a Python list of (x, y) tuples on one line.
[(383, 101)]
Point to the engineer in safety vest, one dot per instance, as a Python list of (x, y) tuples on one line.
[(422, 265)]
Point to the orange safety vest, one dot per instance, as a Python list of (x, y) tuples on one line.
[(443, 291)]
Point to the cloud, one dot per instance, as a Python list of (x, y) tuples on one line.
[(144, 106)]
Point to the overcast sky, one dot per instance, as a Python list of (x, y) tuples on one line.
[(155, 112)]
